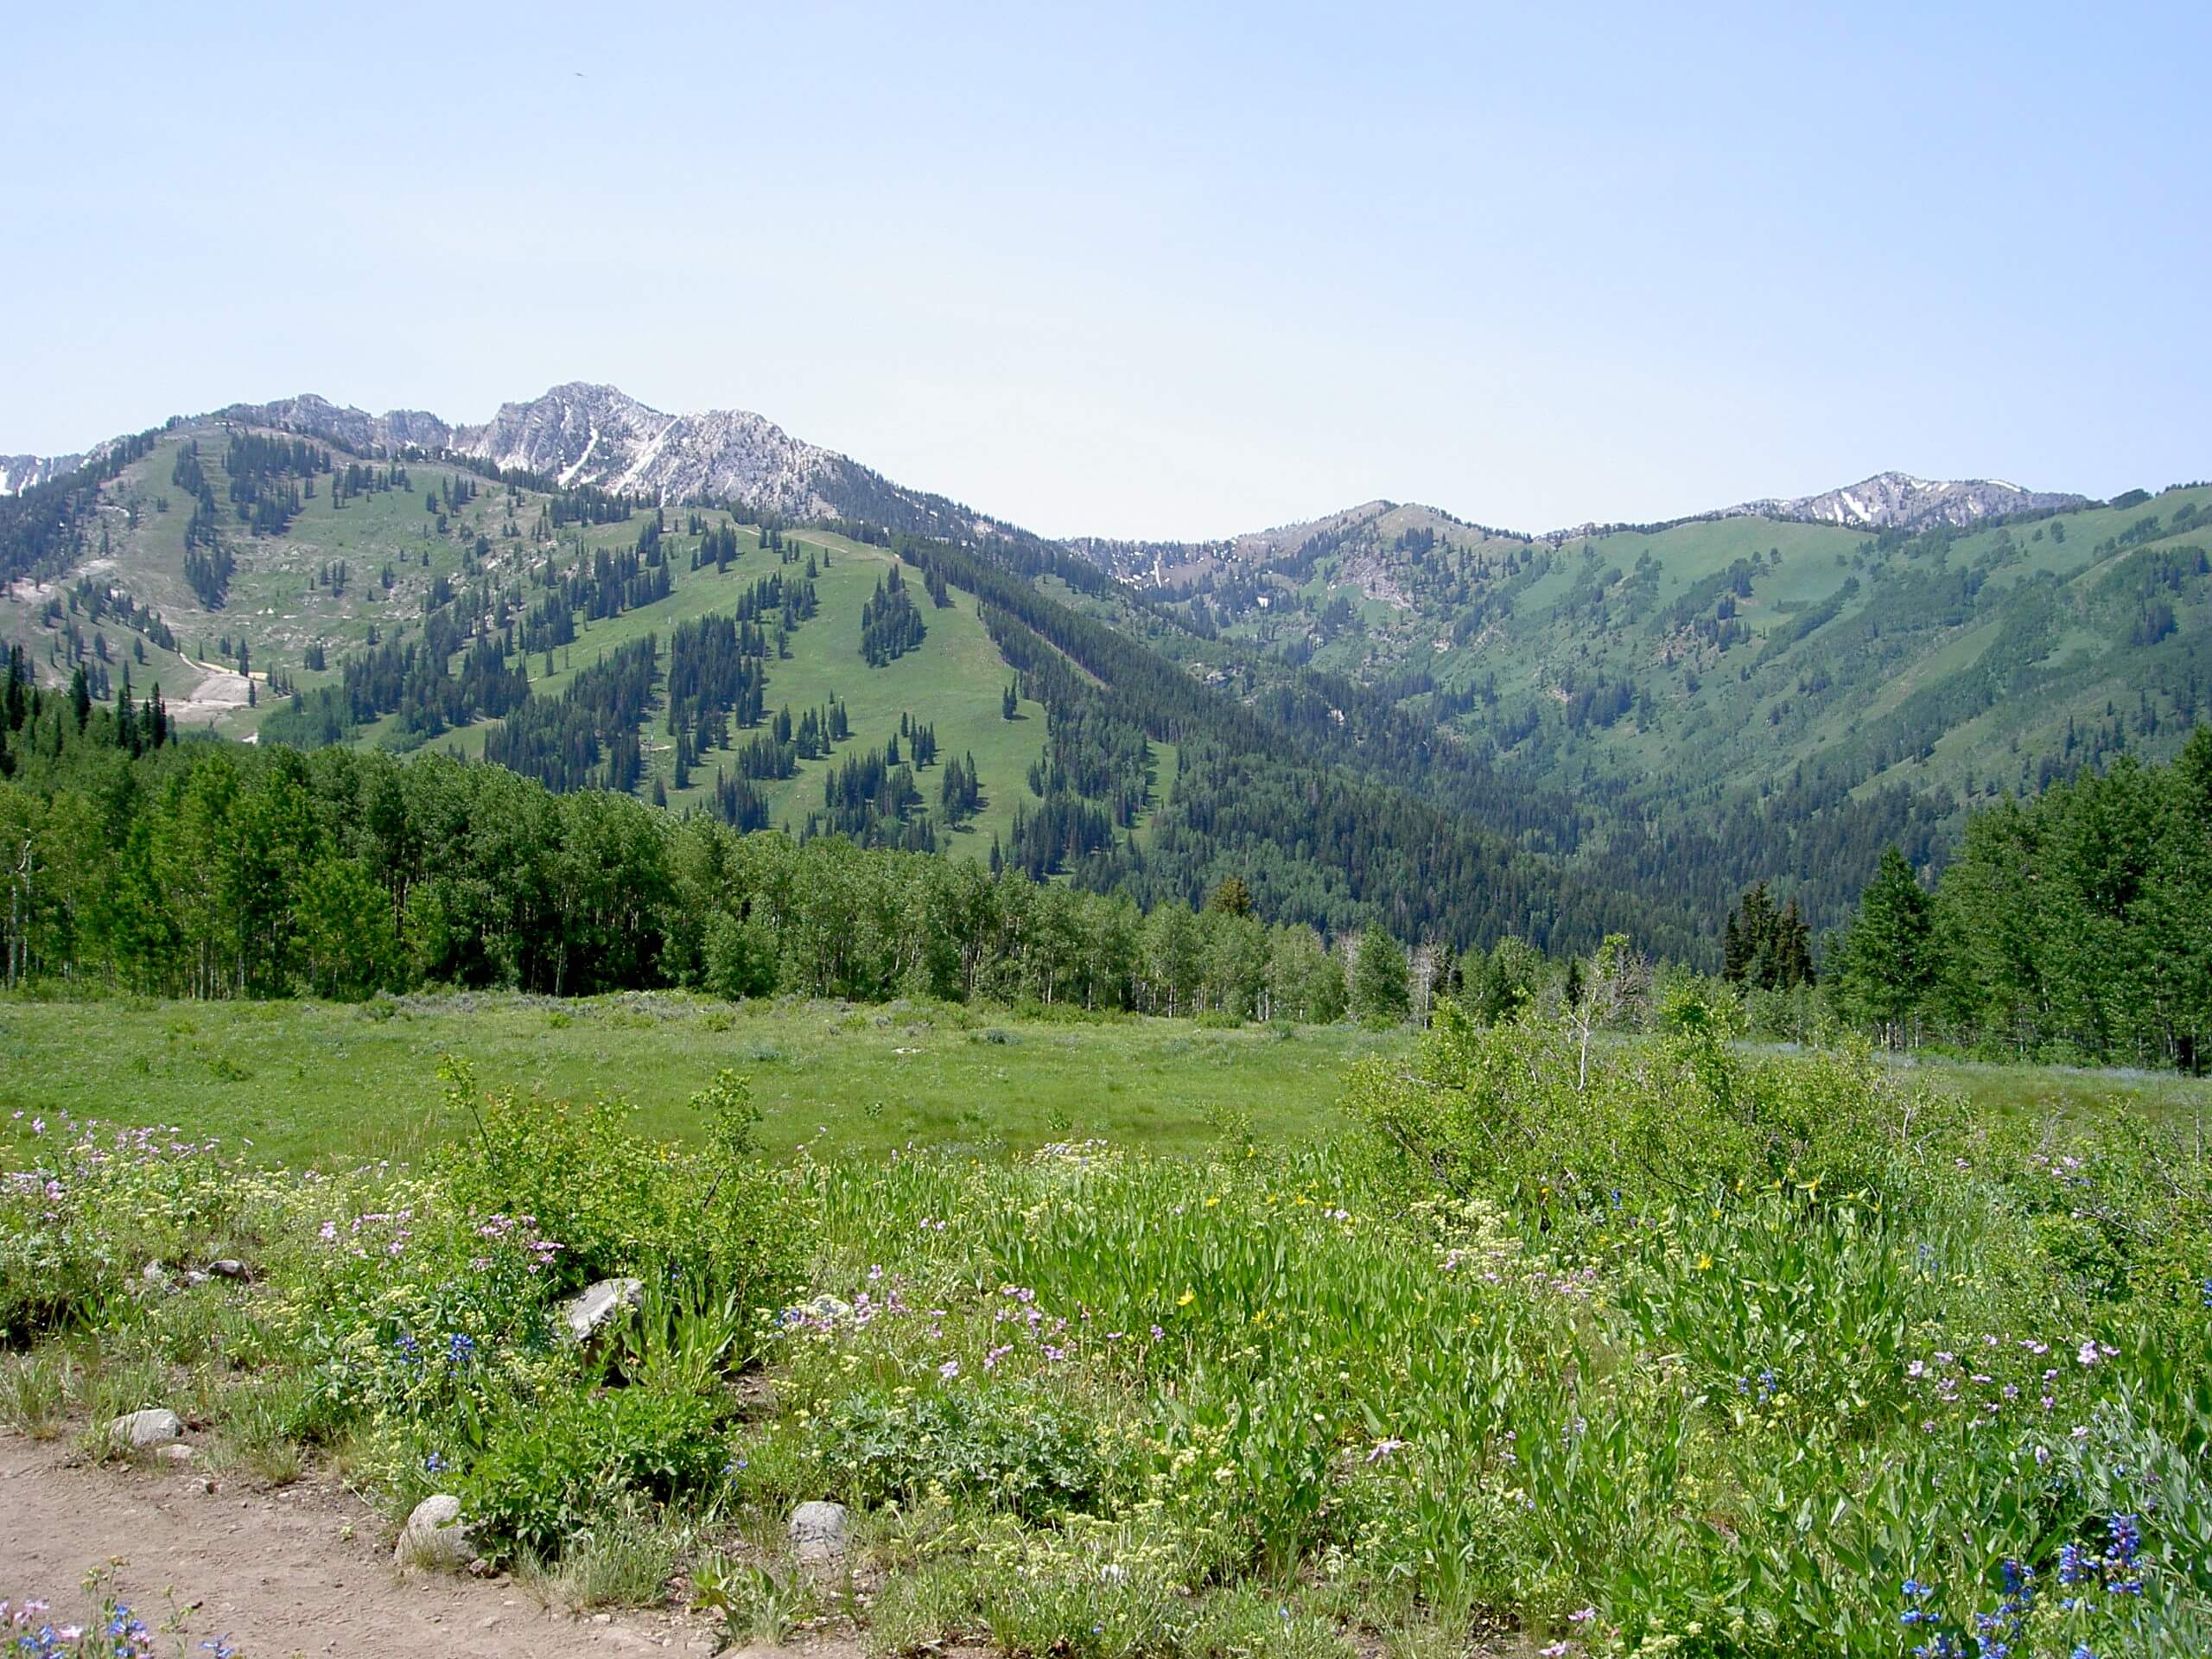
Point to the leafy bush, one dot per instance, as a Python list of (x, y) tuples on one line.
[(554, 1472), (424, 1317), (616, 1202), (84, 1207), (1513, 1112), (1019, 1451)]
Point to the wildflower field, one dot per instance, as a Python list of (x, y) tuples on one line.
[(1664, 1348)]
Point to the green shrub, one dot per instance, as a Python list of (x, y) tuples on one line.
[(1515, 1112), (419, 1315), (87, 1206), (552, 1473), (1016, 1450), (616, 1202)]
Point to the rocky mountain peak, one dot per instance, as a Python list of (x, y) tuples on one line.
[(1901, 501)]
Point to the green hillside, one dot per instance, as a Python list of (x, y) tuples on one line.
[(345, 574), (1389, 717), (1774, 671), (277, 588)]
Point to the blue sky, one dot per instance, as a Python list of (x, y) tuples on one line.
[(1147, 270)]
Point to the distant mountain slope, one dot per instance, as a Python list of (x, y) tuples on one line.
[(1900, 501), (1006, 703), (1666, 710), (21, 472), (373, 581), (1783, 694), (1886, 501), (580, 434)]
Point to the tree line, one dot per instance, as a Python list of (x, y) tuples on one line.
[(2074, 926), (207, 869)]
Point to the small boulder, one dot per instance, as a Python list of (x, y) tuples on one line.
[(587, 1314), (140, 1429), (433, 1537), (818, 1534), (227, 1268), (193, 1278), (155, 1274)]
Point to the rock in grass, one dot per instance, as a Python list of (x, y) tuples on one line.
[(587, 1314), (227, 1268), (154, 1274), (140, 1429), (818, 1534), (433, 1537)]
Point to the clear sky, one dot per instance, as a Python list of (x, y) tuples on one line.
[(1150, 270)]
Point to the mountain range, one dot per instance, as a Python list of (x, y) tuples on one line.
[(580, 433), (1387, 712)]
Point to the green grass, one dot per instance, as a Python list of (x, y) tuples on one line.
[(310, 1080), (2053, 1094), (306, 1080)]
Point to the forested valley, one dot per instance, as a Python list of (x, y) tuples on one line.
[(2077, 925)]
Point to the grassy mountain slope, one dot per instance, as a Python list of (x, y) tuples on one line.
[(1796, 668), (1386, 714), (279, 604), (433, 606)]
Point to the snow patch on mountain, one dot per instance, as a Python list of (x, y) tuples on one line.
[(1898, 500)]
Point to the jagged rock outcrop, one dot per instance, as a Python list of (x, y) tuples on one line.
[(21, 472), (580, 433)]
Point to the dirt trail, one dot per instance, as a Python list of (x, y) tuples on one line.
[(218, 692), (274, 1571)]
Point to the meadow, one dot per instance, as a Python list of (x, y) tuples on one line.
[(1314, 1343), (306, 1081)]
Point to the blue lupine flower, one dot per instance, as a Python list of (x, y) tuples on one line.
[(2073, 1565), (2126, 1539)]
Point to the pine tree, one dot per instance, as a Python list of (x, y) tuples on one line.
[(1885, 962), (1231, 897)]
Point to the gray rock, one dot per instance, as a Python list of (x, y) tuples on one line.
[(140, 1429), (818, 1534), (585, 1314), (227, 1268), (433, 1537), (155, 1274), (193, 1278)]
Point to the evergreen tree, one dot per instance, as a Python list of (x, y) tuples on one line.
[(1231, 897), (1885, 964)]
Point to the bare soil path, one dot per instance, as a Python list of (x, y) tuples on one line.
[(302, 1570)]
